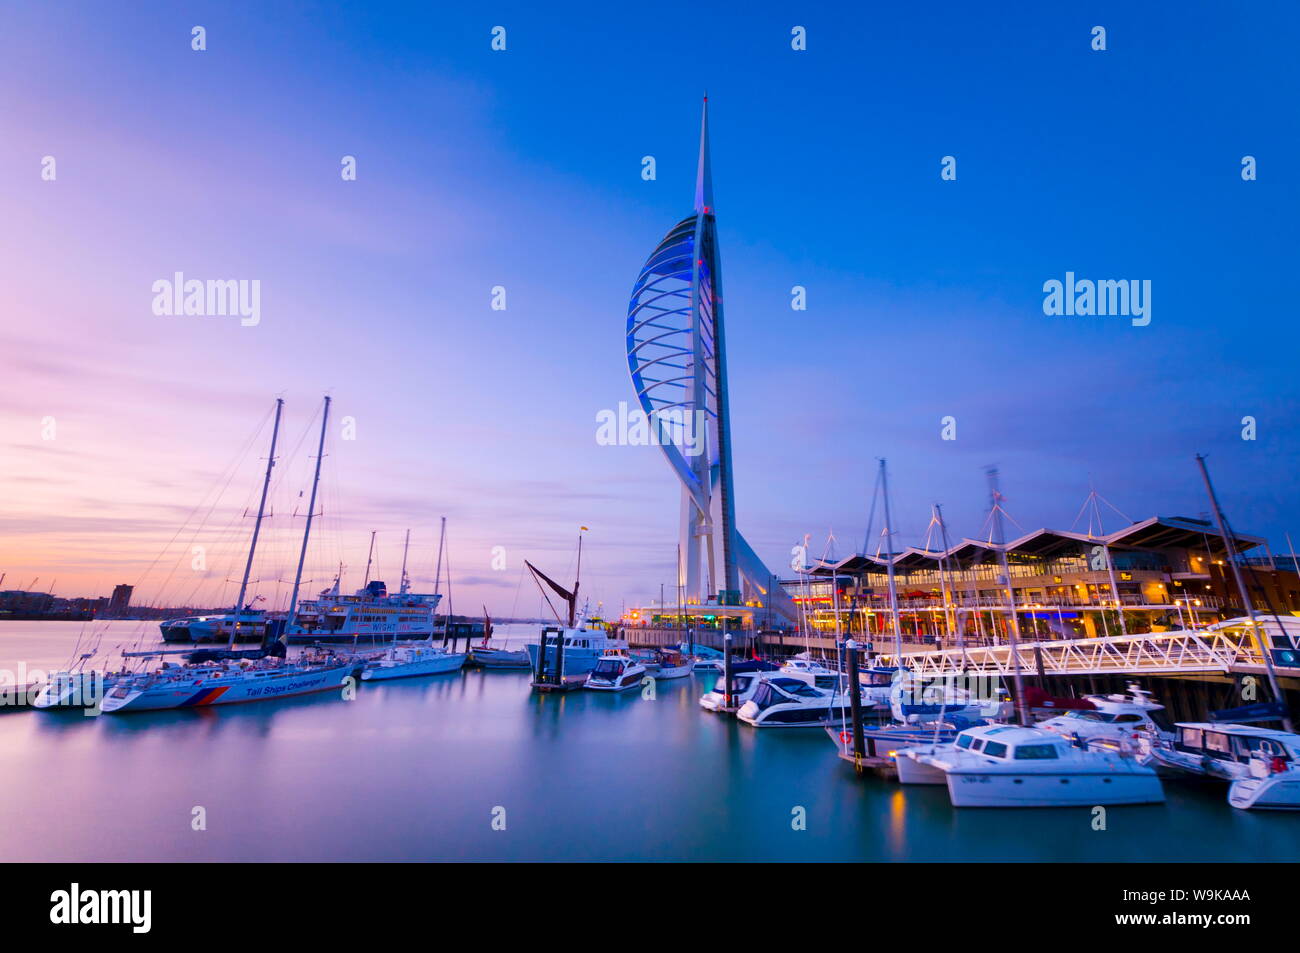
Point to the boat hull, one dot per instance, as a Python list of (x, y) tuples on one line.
[(1279, 792), (675, 671), (577, 661), (82, 690), (914, 771), (792, 716), (499, 658), (451, 662), (225, 691), (993, 789), (625, 681)]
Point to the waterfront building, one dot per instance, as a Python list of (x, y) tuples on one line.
[(120, 601), (1167, 573)]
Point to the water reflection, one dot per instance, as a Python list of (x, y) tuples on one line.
[(413, 769)]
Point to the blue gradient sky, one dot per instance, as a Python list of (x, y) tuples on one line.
[(522, 169)]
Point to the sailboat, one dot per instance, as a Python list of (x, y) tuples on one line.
[(486, 655), (409, 659), (571, 649), (225, 676)]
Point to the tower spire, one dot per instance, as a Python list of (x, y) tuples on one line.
[(704, 173)]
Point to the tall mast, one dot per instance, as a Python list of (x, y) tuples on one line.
[(257, 526), (1110, 566), (370, 558), (943, 574), (958, 598), (311, 511), (889, 552), (577, 582), (995, 501), (406, 548), (1258, 633), (437, 575)]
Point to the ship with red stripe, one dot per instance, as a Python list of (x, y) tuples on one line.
[(225, 680)]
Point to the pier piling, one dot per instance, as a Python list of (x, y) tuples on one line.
[(855, 704)]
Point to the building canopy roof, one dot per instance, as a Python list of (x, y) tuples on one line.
[(1156, 533)]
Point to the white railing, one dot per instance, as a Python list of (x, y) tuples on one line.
[(1210, 650)]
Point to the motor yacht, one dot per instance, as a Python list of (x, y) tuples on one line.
[(745, 677), (1262, 765), (803, 664), (1118, 722), (786, 701), (615, 673), (1011, 766)]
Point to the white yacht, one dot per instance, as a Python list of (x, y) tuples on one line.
[(1261, 764), (805, 664), (913, 701), (786, 701), (745, 678), (1118, 722), (75, 689), (224, 680), (669, 663), (406, 660), (490, 656), (1010, 766), (614, 673), (706, 659)]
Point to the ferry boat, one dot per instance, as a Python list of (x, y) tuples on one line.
[(1262, 765), (1118, 722), (216, 627), (614, 673), (369, 614), (1011, 766)]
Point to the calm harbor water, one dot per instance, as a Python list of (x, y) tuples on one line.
[(414, 770)]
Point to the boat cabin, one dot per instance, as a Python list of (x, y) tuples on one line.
[(1012, 743), (1239, 743)]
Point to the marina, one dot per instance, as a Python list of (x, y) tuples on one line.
[(450, 447), (474, 740)]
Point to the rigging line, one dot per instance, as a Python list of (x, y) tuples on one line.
[(233, 469)]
